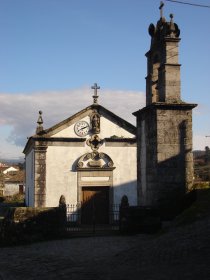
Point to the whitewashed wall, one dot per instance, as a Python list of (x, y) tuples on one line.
[(125, 174), (11, 189), (61, 177), (108, 129)]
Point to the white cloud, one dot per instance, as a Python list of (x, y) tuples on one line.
[(20, 111), (200, 142), (9, 150)]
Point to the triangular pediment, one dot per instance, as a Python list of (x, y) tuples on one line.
[(85, 113), (112, 126)]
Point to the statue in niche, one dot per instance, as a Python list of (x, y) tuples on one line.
[(95, 122)]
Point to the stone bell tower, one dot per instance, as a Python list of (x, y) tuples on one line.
[(164, 126)]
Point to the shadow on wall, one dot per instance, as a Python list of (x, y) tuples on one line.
[(174, 179)]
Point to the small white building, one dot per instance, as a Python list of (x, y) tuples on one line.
[(14, 183), (10, 169), (89, 158)]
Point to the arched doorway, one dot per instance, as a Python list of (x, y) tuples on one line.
[(95, 187)]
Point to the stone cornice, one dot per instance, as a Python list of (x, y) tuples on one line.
[(121, 140), (96, 168), (59, 139), (32, 141), (166, 106)]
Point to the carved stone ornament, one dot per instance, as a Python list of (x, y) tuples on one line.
[(101, 155), (39, 128), (94, 142), (164, 29), (80, 164), (95, 163), (95, 122), (95, 160)]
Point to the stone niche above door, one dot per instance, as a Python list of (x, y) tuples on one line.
[(95, 170), (95, 160)]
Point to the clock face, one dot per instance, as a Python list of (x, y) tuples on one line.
[(81, 128)]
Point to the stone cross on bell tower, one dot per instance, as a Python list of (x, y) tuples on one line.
[(164, 126)]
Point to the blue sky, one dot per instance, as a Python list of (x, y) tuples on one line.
[(52, 51)]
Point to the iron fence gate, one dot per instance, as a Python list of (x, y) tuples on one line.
[(74, 214)]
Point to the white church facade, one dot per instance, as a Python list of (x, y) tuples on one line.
[(96, 157), (88, 158)]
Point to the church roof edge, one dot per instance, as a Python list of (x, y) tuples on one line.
[(59, 126), (101, 110)]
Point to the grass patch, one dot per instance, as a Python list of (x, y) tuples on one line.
[(198, 210)]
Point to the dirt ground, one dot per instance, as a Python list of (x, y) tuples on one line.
[(177, 253)]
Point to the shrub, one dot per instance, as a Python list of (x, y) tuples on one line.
[(16, 198)]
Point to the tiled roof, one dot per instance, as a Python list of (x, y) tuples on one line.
[(15, 177)]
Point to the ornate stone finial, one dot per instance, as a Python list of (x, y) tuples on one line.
[(95, 96), (39, 127), (163, 29), (62, 201), (161, 9), (173, 29)]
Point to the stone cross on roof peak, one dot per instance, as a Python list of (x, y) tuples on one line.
[(95, 95)]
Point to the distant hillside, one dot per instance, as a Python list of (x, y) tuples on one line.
[(202, 165), (14, 161)]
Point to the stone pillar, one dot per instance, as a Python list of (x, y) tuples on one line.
[(40, 174)]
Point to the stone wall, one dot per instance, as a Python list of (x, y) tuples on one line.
[(28, 224), (174, 145), (165, 161)]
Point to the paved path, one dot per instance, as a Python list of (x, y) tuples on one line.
[(180, 253)]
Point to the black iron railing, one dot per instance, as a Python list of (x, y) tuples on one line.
[(74, 219)]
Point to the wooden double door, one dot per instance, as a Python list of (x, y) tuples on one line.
[(95, 205)]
